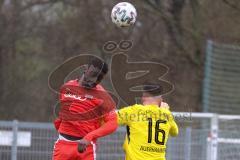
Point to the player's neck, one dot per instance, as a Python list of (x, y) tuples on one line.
[(145, 103)]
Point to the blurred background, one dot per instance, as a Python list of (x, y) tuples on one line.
[(197, 39), (38, 35)]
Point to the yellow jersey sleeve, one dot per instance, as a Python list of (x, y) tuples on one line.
[(173, 127), (123, 115)]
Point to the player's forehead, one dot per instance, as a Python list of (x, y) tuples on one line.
[(93, 69)]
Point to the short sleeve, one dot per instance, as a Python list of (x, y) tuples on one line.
[(123, 115)]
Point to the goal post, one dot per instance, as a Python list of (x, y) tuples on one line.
[(222, 130)]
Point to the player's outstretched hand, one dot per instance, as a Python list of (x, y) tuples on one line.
[(165, 105), (82, 145)]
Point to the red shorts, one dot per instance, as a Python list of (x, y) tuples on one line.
[(65, 150)]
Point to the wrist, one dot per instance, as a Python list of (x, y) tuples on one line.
[(88, 137)]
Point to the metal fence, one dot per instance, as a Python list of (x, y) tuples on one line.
[(203, 136), (26, 141), (221, 89)]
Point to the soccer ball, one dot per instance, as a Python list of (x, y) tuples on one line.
[(124, 14)]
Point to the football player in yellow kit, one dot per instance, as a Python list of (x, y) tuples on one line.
[(148, 126)]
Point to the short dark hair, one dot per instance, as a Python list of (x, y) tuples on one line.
[(152, 88), (100, 64)]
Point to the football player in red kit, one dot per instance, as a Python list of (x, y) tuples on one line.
[(87, 113)]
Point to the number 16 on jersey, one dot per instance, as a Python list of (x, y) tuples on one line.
[(158, 131)]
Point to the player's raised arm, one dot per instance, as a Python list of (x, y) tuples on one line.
[(173, 125), (174, 128)]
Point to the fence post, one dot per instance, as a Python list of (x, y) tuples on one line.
[(213, 139), (14, 140), (188, 138), (206, 81)]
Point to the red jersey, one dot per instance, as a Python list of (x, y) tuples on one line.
[(83, 110)]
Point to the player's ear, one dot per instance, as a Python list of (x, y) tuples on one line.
[(100, 77)]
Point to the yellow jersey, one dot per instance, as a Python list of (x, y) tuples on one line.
[(148, 128)]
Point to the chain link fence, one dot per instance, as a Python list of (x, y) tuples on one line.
[(221, 91), (202, 136)]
